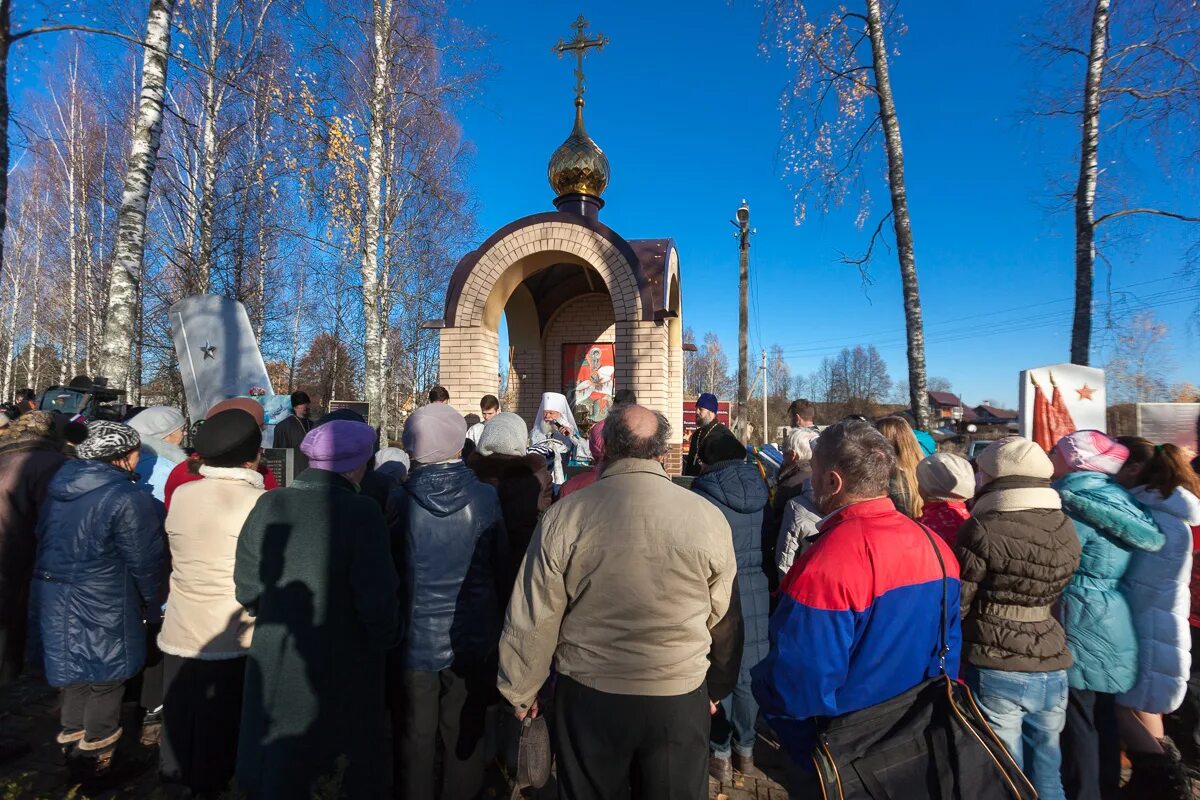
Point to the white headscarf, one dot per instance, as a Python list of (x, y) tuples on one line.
[(553, 401)]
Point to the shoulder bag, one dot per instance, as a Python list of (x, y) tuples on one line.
[(929, 742)]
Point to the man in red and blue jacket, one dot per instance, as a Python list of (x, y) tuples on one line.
[(858, 620)]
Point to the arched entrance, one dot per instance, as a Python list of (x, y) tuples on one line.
[(560, 279)]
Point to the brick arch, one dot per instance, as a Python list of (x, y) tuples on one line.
[(497, 268)]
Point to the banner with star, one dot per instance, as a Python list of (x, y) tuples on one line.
[(1059, 399)]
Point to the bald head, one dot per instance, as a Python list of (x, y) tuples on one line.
[(633, 431)]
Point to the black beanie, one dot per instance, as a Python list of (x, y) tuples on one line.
[(228, 439), (299, 399)]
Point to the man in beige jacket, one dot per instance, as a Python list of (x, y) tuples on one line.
[(628, 584)]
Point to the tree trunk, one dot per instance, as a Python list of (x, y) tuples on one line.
[(130, 251), (1085, 190), (5, 44), (902, 225), (373, 324), (208, 186), (30, 380), (11, 350)]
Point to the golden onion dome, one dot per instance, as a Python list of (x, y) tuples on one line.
[(578, 166)]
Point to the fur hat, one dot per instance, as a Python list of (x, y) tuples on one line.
[(108, 440), (1092, 451), (1013, 456), (945, 476), (504, 434)]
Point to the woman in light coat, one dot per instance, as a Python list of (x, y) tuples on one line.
[(1157, 587), (206, 633), (162, 429)]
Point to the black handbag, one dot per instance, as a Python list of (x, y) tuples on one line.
[(929, 742)]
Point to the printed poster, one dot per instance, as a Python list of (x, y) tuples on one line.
[(588, 378)]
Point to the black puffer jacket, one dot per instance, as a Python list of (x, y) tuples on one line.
[(1016, 554), (451, 551)]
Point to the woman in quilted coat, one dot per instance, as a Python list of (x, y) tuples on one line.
[(101, 560), (1157, 585), (1093, 610), (738, 490)]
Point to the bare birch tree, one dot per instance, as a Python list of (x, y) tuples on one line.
[(1140, 82), (131, 220), (839, 63)]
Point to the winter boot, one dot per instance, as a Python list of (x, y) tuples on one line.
[(720, 769), (745, 765), (152, 728), (67, 741), (1158, 776), (91, 763)]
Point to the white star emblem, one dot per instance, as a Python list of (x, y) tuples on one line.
[(209, 350)]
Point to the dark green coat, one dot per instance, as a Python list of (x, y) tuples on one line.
[(314, 566)]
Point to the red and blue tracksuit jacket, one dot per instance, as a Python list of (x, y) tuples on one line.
[(857, 622)]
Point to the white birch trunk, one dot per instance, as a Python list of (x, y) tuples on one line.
[(31, 354), (11, 350), (901, 222), (373, 324), (1085, 190), (131, 219)]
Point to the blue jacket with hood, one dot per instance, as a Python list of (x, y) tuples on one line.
[(451, 551), (1093, 610), (100, 569), (738, 490)]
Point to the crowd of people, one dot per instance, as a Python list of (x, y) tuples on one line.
[(439, 597)]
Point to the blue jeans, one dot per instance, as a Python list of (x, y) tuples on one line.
[(1027, 710), (733, 726)]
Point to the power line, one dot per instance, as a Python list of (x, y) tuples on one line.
[(821, 344)]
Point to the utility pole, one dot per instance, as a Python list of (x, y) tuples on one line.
[(764, 374), (743, 234)]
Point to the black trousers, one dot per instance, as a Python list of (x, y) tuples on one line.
[(94, 708), (1091, 747), (656, 748), (202, 708), (449, 707), (1183, 726)]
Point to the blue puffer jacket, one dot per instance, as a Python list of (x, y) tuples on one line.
[(101, 564), (451, 550), (738, 490), (1094, 612)]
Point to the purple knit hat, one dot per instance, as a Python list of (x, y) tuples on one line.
[(339, 445)]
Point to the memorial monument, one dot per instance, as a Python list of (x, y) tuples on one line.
[(587, 311)]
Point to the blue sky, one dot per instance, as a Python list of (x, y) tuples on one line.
[(687, 111)]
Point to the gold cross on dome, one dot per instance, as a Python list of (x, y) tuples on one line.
[(579, 46)]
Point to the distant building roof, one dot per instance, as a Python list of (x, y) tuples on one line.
[(969, 415), (995, 413), (944, 399)]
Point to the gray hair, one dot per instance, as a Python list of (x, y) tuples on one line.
[(620, 441), (860, 453), (799, 441)]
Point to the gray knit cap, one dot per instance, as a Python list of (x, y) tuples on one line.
[(107, 440), (504, 434), (157, 421)]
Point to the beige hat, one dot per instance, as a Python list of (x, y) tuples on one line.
[(1014, 455), (945, 476)]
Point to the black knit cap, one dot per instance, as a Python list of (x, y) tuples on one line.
[(228, 439), (300, 398), (721, 445)]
